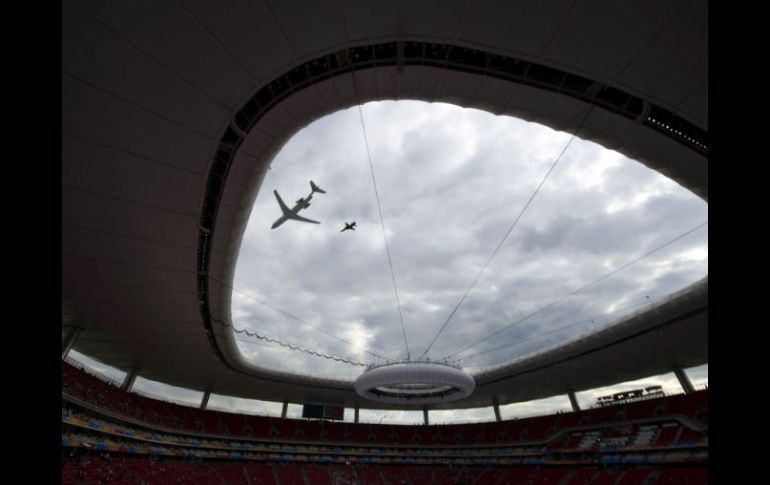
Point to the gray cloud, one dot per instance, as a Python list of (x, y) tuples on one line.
[(451, 183)]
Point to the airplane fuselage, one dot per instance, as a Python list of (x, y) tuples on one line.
[(293, 213), (301, 204)]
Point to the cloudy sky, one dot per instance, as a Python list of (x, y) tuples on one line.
[(451, 182)]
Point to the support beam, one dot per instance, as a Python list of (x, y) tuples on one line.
[(355, 415), (684, 381), (646, 107), (400, 57), (69, 335), (573, 401), (425, 416), (496, 407), (285, 408), (128, 382), (205, 400)]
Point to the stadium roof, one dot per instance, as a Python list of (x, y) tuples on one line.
[(171, 114)]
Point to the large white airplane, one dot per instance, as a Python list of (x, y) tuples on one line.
[(302, 203)]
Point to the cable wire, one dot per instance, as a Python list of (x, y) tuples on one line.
[(556, 330), (379, 209), (295, 318), (583, 288), (296, 347), (508, 233)]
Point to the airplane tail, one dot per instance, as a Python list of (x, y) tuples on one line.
[(315, 188)]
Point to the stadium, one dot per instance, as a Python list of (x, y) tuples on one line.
[(174, 118)]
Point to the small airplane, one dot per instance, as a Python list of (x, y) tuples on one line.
[(351, 226), (302, 203)]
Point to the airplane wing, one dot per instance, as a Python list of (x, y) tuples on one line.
[(303, 219), (284, 208)]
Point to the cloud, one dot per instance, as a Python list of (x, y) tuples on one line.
[(115, 375), (667, 381), (247, 406), (160, 389), (538, 407), (451, 183)]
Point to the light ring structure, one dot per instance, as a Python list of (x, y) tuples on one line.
[(414, 383)]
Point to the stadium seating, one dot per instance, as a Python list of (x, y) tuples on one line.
[(658, 446)]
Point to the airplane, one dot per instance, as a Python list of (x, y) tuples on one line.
[(302, 203), (351, 226)]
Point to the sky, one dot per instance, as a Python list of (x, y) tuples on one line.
[(452, 183)]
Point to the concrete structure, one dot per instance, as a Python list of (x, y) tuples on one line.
[(172, 112)]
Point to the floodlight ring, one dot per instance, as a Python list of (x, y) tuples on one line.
[(414, 383)]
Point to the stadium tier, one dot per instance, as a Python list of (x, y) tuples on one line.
[(113, 436)]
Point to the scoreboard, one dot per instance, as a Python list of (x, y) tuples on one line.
[(319, 411)]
